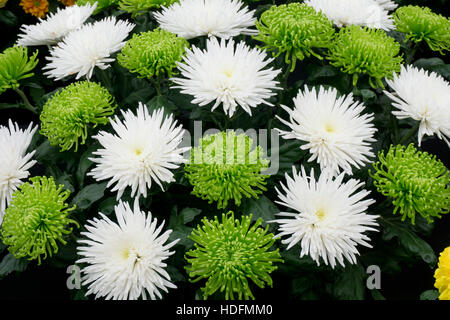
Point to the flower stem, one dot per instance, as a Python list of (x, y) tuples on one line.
[(409, 134), (25, 100), (411, 53), (157, 84)]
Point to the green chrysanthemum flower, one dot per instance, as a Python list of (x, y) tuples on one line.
[(421, 24), (15, 65), (67, 115), (136, 7), (153, 53), (416, 181), (101, 4), (358, 50), (37, 219), (229, 253), (295, 29), (224, 167)]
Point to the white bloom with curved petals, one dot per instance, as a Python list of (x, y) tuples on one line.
[(88, 47), (125, 258), (55, 26), (144, 148), (330, 216), (369, 13), (336, 131), (227, 75), (423, 96), (14, 160), (218, 18)]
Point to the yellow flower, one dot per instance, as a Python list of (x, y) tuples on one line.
[(3, 3), (442, 275), (37, 8)]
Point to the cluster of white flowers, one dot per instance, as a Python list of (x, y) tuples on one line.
[(328, 216)]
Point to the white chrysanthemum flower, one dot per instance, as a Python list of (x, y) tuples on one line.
[(425, 97), (55, 26), (369, 13), (218, 18), (337, 132), (144, 148), (330, 216), (14, 160), (228, 75), (88, 47), (125, 260)]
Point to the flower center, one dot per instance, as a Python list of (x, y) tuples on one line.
[(329, 127), (228, 73), (320, 214)]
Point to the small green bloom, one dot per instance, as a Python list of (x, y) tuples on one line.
[(137, 7), (153, 53), (101, 4), (224, 167), (66, 116), (416, 181), (15, 65), (295, 29), (229, 253), (421, 24), (36, 219), (357, 50)]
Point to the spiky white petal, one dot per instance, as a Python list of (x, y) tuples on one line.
[(88, 47), (55, 26), (14, 160), (329, 218), (144, 148), (218, 18), (337, 132), (227, 75), (423, 96), (369, 13), (125, 259)]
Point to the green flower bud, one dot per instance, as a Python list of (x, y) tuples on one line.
[(414, 180), (153, 53), (225, 167), (67, 115), (229, 254), (37, 219), (363, 51), (295, 29), (421, 24)]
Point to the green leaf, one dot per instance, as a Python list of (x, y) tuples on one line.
[(158, 102), (85, 164), (182, 233), (9, 18), (289, 155), (262, 207), (429, 295), (434, 64), (138, 95), (350, 283), (107, 205), (10, 264), (88, 195), (188, 214), (66, 181), (317, 72), (408, 239)]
